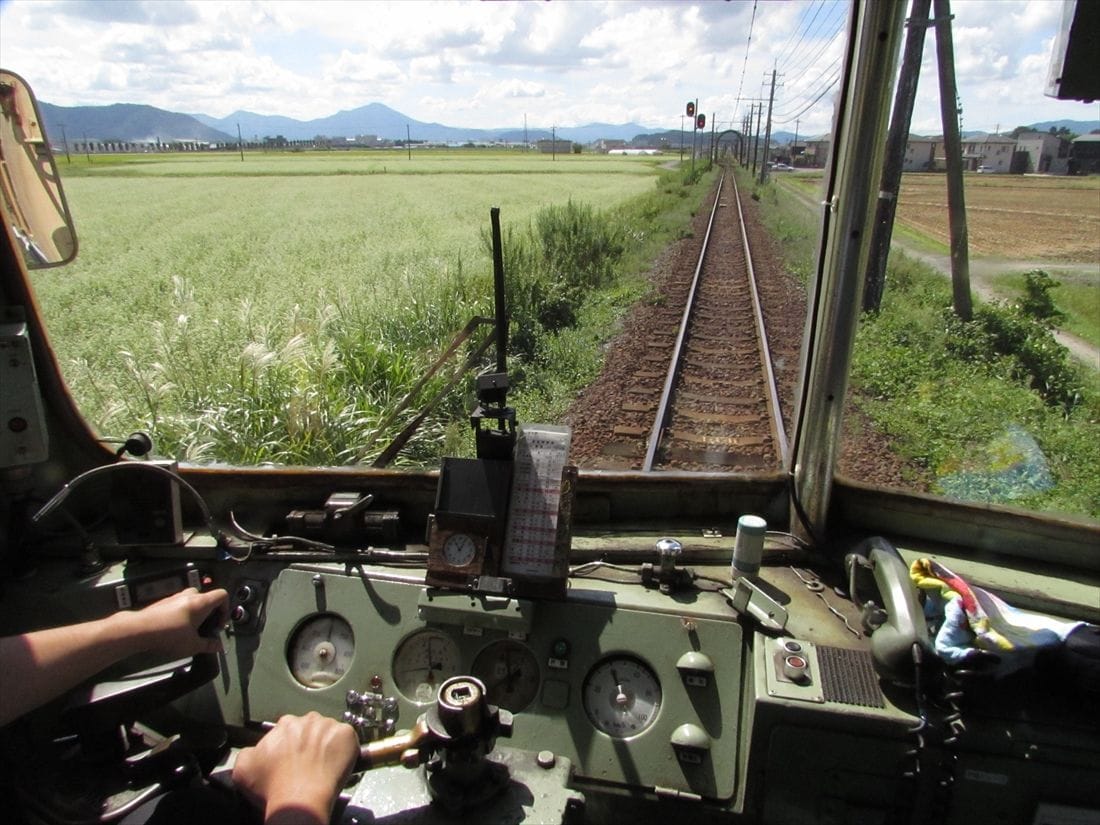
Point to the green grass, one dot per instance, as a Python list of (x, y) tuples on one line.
[(277, 315), (354, 163), (1077, 296), (969, 417)]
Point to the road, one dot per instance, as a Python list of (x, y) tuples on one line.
[(981, 272)]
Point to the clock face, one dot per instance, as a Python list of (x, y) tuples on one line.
[(459, 550)]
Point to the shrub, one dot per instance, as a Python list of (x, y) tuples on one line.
[(1026, 343), (1037, 301), (567, 253)]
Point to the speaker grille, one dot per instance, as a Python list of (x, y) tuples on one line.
[(848, 677)]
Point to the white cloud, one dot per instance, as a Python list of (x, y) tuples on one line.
[(485, 64)]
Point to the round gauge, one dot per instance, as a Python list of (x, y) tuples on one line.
[(422, 662), (510, 672), (459, 550), (320, 650), (622, 696)]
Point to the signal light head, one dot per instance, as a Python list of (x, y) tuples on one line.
[(691, 108), (701, 121)]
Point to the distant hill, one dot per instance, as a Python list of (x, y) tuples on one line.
[(125, 122), (386, 123), (1078, 127), (136, 122)]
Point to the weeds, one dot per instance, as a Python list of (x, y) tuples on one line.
[(284, 332)]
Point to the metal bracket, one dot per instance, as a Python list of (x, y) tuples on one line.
[(748, 599)]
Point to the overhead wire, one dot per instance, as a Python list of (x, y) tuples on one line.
[(813, 90), (745, 65), (784, 52), (828, 88), (811, 57), (820, 23)]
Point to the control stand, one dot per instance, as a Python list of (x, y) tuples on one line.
[(456, 769)]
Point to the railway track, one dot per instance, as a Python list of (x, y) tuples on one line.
[(702, 395)]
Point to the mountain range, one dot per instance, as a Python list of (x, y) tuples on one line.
[(139, 123)]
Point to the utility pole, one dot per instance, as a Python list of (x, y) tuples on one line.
[(952, 144), (794, 146), (904, 97), (768, 131), (750, 154), (408, 142), (756, 138), (746, 132), (240, 142)]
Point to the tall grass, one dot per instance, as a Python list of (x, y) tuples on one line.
[(249, 319)]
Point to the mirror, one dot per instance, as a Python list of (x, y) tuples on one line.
[(32, 197)]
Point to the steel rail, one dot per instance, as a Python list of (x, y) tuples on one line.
[(674, 365), (765, 350), (673, 374)]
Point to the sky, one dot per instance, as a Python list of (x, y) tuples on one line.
[(496, 64)]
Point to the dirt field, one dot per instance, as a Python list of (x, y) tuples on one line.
[(1011, 216)]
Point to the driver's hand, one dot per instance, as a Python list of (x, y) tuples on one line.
[(297, 770), (172, 625)]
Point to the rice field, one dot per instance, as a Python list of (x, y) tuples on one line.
[(211, 288)]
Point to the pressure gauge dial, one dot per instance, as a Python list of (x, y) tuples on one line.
[(459, 550), (320, 650), (510, 673), (622, 696), (422, 663)]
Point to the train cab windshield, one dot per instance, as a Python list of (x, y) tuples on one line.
[(740, 467)]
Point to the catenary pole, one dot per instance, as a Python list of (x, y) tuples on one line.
[(952, 144), (904, 97)]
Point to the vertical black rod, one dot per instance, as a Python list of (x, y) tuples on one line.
[(498, 292)]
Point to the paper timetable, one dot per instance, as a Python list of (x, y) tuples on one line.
[(531, 540)]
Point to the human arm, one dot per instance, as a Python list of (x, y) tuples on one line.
[(296, 771), (43, 664)]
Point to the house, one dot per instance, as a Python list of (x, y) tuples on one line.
[(1084, 155), (559, 147), (920, 153), (991, 152), (1041, 152), (817, 152), (606, 145)]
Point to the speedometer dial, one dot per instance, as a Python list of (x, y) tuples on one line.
[(320, 650), (622, 696), (510, 672), (422, 663)]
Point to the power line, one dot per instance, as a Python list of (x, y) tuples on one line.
[(810, 105), (784, 52), (745, 65), (812, 88), (826, 40)]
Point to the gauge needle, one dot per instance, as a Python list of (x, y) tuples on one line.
[(507, 679), (621, 699)]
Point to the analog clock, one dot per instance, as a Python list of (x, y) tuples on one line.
[(459, 550)]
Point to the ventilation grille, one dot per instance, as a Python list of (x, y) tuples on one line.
[(848, 677)]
